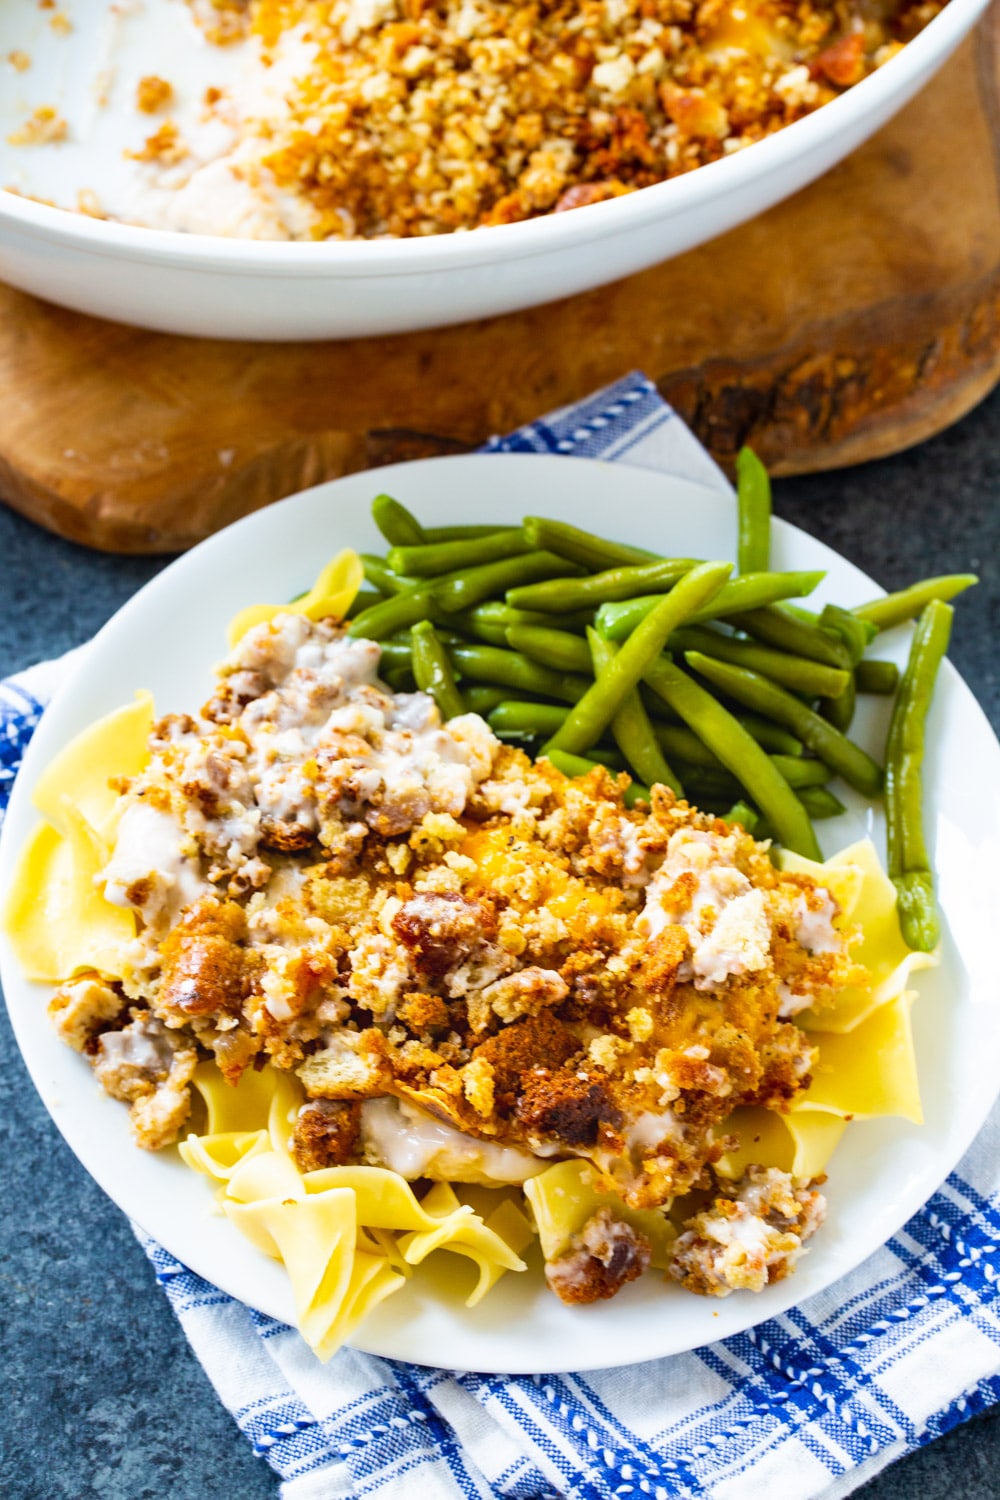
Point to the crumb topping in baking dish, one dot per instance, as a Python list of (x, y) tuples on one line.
[(473, 965), (344, 119), (410, 117)]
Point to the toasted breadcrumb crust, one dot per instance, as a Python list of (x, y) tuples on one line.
[(752, 1234), (552, 974), (605, 1256), (152, 93), (418, 117), (44, 127)]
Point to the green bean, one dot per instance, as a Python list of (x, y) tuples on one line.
[(592, 552), (482, 698), (400, 679), (553, 648), (753, 501), (756, 692), (683, 744), (512, 670), (744, 815), (655, 707), (381, 576), (562, 596), (466, 589), (819, 802), (364, 599), (773, 737), (753, 590), (776, 627), (873, 676), (395, 654), (490, 621), (397, 525), (405, 638), (715, 786), (526, 720), (577, 765), (707, 788), (839, 711), (798, 673), (480, 624), (434, 558), (633, 733), (432, 670), (797, 612), (604, 697), (856, 634), (391, 615), (896, 609), (801, 773), (616, 621), (459, 533), (612, 760), (909, 862), (738, 752)]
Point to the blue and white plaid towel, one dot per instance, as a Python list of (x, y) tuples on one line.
[(810, 1404)]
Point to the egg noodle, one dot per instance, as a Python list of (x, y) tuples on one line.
[(351, 1235)]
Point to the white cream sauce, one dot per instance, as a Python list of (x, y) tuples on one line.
[(739, 939), (814, 929), (414, 1144), (321, 735), (148, 848), (651, 1129), (141, 1045), (326, 702)]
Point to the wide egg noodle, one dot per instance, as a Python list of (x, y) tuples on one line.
[(565, 1196), (245, 1106), (335, 1284), (314, 1236), (863, 1074), (56, 917), (367, 1221), (218, 1156), (801, 1142), (462, 1231), (385, 1201), (115, 746), (867, 898), (331, 595), (286, 1100), (372, 1280), (383, 1242), (871, 1070)]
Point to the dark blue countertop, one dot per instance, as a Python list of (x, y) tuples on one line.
[(101, 1396)]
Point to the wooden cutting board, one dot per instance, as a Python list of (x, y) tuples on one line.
[(853, 320)]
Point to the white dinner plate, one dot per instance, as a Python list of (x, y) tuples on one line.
[(167, 639)]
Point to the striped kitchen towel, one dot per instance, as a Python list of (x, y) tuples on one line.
[(809, 1404)]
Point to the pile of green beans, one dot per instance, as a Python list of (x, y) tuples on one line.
[(723, 688)]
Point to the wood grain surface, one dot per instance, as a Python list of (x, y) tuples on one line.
[(853, 320)]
